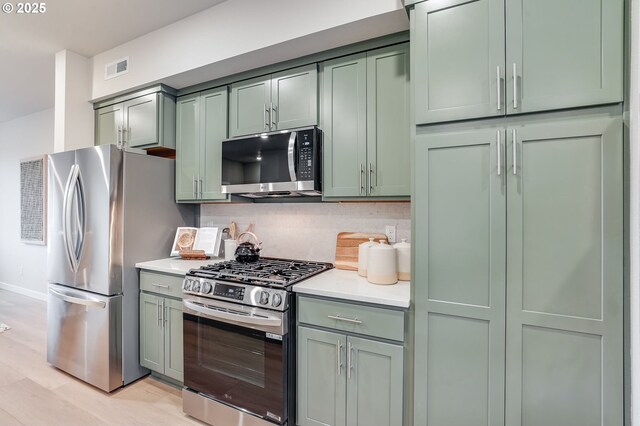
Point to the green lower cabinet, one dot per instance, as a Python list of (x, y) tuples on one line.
[(346, 380), (519, 284), (161, 335)]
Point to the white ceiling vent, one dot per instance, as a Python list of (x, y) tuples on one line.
[(116, 68)]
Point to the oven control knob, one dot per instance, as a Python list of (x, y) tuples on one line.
[(195, 287), (206, 287), (187, 285), (276, 300), (264, 298)]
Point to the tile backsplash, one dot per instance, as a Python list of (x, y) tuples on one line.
[(308, 230)]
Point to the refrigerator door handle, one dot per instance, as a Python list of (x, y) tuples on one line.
[(77, 300), (74, 188)]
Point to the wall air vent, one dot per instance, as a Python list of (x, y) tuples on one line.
[(116, 68)]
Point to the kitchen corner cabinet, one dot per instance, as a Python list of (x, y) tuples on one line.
[(518, 305), (279, 101), (201, 126), (146, 121), (343, 377), (161, 342), (365, 120), (470, 62)]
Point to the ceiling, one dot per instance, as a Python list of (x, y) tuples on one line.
[(29, 42)]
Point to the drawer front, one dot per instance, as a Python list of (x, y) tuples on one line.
[(169, 285), (367, 320)]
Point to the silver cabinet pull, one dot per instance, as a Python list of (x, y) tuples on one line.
[(361, 173), (370, 178), (515, 87), (350, 320), (195, 190), (200, 186), (498, 84), (513, 151), (339, 357), (349, 366), (264, 116), (118, 145), (499, 150), (165, 313), (158, 315), (160, 285), (124, 138), (274, 119)]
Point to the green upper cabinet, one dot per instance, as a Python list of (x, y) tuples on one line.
[(201, 126), (365, 120), (274, 102), (151, 332), (144, 120), (470, 62)]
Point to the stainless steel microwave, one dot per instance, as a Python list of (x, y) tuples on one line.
[(277, 164)]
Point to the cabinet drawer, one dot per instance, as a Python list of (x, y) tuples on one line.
[(368, 320), (169, 285)]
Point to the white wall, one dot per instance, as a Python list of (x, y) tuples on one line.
[(22, 266), (214, 41), (308, 231)]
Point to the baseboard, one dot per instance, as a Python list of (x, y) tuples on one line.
[(23, 291)]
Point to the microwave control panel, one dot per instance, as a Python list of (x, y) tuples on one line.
[(306, 155)]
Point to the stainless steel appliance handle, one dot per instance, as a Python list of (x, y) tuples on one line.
[(226, 315), (514, 152), (498, 84), (74, 249), (290, 155), (339, 357), (80, 217), (349, 320), (78, 301), (499, 150), (65, 213), (515, 86), (349, 366)]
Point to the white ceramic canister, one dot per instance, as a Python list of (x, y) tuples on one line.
[(382, 264), (403, 252), (363, 250)]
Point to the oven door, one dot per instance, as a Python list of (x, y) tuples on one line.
[(238, 356)]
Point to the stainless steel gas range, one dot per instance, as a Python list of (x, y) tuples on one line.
[(239, 341)]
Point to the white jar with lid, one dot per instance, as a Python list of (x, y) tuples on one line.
[(382, 264), (363, 250), (403, 252)]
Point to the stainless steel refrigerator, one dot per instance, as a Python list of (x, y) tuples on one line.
[(107, 210)]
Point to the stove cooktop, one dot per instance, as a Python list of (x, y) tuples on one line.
[(272, 272)]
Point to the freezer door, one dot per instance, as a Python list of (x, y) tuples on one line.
[(85, 249), (84, 335)]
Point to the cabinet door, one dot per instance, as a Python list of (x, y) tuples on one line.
[(375, 383), (565, 274), (459, 280), (458, 59), (173, 339), (151, 333), (565, 53), (294, 94), (250, 106), (109, 125), (213, 128), (321, 378), (388, 166), (141, 121), (187, 147), (344, 122)]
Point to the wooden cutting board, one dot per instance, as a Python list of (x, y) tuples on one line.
[(347, 248)]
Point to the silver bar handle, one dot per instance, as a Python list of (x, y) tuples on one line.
[(158, 312), (230, 316), (349, 366), (361, 173), (119, 137), (264, 114), (499, 150), (274, 119), (165, 312), (124, 138), (339, 357), (498, 87), (199, 186), (514, 152), (78, 301), (160, 285), (370, 178), (194, 184), (350, 320), (515, 86)]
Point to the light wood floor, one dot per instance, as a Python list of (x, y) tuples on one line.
[(34, 393)]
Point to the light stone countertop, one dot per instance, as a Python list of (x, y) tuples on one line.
[(349, 286), (175, 265)]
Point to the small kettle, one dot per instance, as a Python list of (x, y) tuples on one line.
[(248, 252)]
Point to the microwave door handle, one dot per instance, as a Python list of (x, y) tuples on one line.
[(291, 156)]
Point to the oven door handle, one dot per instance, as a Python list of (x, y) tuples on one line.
[(226, 315)]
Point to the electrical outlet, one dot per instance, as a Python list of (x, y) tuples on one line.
[(390, 231)]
